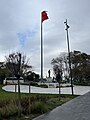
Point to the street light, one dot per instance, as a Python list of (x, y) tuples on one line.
[(67, 27)]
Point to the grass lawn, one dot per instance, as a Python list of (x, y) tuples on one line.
[(39, 104)]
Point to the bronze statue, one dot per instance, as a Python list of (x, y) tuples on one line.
[(49, 73)]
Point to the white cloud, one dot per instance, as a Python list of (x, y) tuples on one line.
[(23, 16)]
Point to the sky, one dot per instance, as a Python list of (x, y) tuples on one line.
[(20, 28)]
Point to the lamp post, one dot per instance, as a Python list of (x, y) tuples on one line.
[(19, 95), (67, 27)]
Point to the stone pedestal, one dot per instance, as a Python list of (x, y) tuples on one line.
[(49, 80)]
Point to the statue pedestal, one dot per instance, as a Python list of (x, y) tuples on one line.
[(49, 80)]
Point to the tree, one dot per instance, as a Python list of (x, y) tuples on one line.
[(61, 63), (18, 66), (80, 67), (2, 72), (58, 70), (57, 65), (12, 64)]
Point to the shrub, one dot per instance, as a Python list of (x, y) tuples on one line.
[(53, 101), (38, 107), (25, 104), (43, 86), (8, 110), (3, 103), (34, 84)]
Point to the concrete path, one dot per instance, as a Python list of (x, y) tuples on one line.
[(78, 90), (76, 109)]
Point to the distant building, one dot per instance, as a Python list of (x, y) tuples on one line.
[(13, 80)]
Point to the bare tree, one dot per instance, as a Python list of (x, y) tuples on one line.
[(61, 63), (57, 65), (18, 66), (12, 64)]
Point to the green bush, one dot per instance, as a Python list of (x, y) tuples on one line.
[(38, 107), (33, 102), (83, 83), (43, 86), (3, 103), (53, 101), (25, 104), (8, 110), (39, 103), (34, 84)]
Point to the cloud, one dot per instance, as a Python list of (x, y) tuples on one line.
[(20, 28)]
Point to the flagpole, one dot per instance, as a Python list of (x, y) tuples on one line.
[(43, 18), (67, 27), (41, 49)]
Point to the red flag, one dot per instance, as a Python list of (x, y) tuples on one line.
[(44, 16)]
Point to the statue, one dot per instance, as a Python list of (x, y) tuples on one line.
[(49, 73)]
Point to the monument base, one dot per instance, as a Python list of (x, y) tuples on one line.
[(49, 80)]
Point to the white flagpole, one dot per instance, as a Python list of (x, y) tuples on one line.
[(41, 49)]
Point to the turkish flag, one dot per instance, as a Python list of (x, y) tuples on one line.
[(44, 16)]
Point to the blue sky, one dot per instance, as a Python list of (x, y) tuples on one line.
[(20, 28)]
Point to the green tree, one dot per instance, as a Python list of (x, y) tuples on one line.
[(80, 67)]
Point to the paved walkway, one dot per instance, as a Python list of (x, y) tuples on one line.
[(76, 109), (78, 90)]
